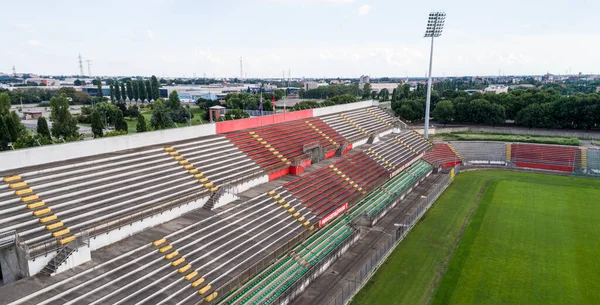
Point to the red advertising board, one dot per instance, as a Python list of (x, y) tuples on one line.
[(337, 212)]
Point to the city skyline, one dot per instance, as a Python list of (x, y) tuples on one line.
[(314, 38)]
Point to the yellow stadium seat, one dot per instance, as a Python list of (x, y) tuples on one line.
[(12, 178), (198, 282), (54, 225), (36, 205), (61, 232), (67, 240), (204, 289), (172, 254), (17, 185), (24, 191), (178, 261), (184, 268), (42, 212), (191, 275), (159, 242), (48, 218), (165, 248), (211, 296)]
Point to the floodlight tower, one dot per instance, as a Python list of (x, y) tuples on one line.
[(435, 25)]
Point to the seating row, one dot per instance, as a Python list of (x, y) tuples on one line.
[(442, 154), (392, 152), (276, 146), (553, 157), (54, 202), (325, 190), (361, 123)]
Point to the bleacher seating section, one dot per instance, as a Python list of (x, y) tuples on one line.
[(271, 282), (54, 203), (552, 157), (276, 146), (481, 152), (593, 161), (329, 188), (50, 204), (393, 152), (377, 200), (361, 123), (443, 155)]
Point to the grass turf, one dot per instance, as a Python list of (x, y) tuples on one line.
[(533, 239)]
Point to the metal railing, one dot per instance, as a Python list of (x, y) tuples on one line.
[(251, 271), (8, 238), (301, 283), (357, 281)]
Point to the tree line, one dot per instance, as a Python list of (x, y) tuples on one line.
[(531, 107), (134, 90)]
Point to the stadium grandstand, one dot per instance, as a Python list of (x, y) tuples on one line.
[(232, 212)]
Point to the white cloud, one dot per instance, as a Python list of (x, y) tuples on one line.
[(34, 43), (150, 34), (363, 10)]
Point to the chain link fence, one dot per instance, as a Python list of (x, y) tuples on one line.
[(370, 266)]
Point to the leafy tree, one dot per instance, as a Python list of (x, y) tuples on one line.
[(234, 114), (42, 128), (155, 86), (120, 124), (15, 128), (160, 116), (117, 88), (141, 123), (4, 104), (108, 113), (27, 140), (367, 89), (174, 102), (112, 93), (135, 91), (384, 94), (123, 92), (444, 112), (130, 91), (97, 126), (4, 134), (77, 82), (142, 90), (64, 124), (149, 89), (180, 115), (99, 86), (132, 111), (75, 96)]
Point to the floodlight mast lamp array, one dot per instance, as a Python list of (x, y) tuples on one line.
[(435, 25)]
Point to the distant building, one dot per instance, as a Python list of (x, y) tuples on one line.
[(44, 81), (215, 112), (365, 79), (32, 115), (313, 85), (496, 89)]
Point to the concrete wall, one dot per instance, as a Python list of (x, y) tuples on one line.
[(118, 234), (10, 265), (60, 152), (344, 107)]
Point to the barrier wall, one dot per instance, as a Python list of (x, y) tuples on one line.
[(229, 126), (344, 107), (60, 152)]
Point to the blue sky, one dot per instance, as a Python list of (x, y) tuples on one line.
[(312, 38)]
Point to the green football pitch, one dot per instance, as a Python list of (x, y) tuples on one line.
[(499, 237)]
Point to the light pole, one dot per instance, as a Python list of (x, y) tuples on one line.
[(435, 25)]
